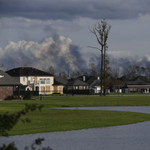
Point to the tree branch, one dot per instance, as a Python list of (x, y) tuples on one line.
[(94, 48)]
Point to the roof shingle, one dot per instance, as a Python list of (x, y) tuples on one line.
[(27, 71), (6, 79)]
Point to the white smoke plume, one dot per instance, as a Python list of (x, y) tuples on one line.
[(39, 55), (62, 55), (121, 63)]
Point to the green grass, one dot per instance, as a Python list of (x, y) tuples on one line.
[(90, 101), (76, 101), (50, 119)]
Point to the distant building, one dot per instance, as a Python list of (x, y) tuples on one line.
[(139, 84), (7, 85)]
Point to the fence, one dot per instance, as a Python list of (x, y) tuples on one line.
[(67, 92), (34, 93)]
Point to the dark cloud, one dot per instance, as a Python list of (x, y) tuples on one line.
[(51, 32), (68, 10)]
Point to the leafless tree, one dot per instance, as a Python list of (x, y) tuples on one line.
[(101, 31)]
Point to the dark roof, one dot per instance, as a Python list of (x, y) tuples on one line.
[(57, 83), (95, 83), (7, 80), (76, 82), (27, 71), (90, 80), (60, 80), (140, 80)]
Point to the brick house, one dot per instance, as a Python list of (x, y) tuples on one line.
[(7, 85)]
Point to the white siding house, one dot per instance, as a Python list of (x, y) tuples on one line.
[(34, 79)]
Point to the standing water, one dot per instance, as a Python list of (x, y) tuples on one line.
[(125, 137)]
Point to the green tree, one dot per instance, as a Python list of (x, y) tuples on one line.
[(28, 95), (63, 74), (51, 70), (8, 121)]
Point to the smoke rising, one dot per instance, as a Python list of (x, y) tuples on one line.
[(121, 64), (60, 54)]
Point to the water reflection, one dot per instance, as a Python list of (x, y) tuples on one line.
[(125, 137)]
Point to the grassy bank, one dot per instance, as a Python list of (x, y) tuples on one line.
[(50, 120), (75, 101)]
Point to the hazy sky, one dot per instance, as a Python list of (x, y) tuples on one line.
[(39, 32)]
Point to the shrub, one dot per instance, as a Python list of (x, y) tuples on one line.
[(28, 95), (8, 98)]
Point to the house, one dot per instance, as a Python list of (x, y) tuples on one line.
[(60, 80), (34, 80), (92, 81), (117, 84), (76, 84), (139, 84), (7, 85), (59, 84)]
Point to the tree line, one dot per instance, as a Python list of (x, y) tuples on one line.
[(131, 72)]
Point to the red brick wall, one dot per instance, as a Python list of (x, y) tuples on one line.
[(6, 91)]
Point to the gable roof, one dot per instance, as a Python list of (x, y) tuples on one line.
[(76, 82), (27, 71), (60, 80), (95, 83), (140, 80), (7, 80), (90, 80)]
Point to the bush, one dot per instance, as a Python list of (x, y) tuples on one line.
[(28, 95), (8, 98)]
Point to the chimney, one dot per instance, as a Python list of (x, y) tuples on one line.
[(84, 78)]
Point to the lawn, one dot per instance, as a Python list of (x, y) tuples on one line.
[(50, 119), (90, 101)]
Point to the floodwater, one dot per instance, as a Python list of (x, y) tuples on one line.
[(125, 137)]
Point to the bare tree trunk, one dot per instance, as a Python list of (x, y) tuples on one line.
[(104, 70), (101, 31), (101, 93)]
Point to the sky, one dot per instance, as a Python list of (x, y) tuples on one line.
[(44, 33)]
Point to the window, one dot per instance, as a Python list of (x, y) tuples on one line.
[(31, 79), (23, 79), (47, 81), (42, 81), (76, 87)]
